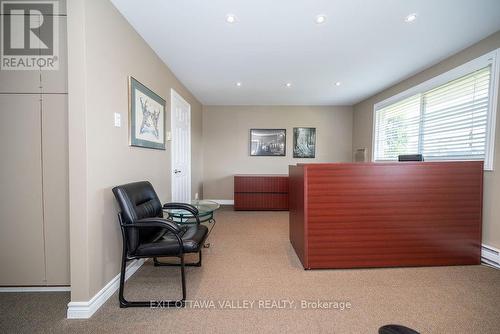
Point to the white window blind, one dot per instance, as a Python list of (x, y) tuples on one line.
[(454, 118), (447, 122), (397, 129)]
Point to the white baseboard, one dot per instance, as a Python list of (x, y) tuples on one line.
[(490, 255), (35, 288), (84, 310), (223, 201)]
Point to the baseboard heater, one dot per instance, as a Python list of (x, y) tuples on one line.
[(490, 255)]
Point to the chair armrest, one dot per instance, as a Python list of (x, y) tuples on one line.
[(155, 222), (162, 223), (184, 206)]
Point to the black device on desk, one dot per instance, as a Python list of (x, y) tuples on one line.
[(410, 157)]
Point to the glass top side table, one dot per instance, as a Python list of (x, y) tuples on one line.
[(205, 215)]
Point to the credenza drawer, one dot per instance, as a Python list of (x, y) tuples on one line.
[(260, 192), (261, 184), (261, 201)]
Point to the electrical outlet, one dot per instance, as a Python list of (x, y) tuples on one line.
[(118, 120)]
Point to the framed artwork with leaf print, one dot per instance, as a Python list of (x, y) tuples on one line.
[(146, 117)]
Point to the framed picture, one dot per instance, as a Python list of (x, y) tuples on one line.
[(146, 117), (268, 142), (304, 142)]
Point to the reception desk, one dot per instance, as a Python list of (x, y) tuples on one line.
[(361, 215)]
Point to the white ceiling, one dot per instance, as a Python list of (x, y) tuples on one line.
[(364, 44)]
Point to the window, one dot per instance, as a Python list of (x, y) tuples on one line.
[(450, 117)]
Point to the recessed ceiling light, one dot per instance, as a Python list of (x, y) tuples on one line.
[(238, 84), (288, 84), (411, 17), (338, 83), (230, 18), (319, 19)]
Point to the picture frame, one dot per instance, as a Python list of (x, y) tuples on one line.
[(146, 116), (268, 142), (304, 143)]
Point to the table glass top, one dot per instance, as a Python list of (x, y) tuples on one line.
[(203, 206)]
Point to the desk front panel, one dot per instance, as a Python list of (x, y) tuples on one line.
[(388, 215)]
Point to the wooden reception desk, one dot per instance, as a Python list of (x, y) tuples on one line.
[(356, 215)]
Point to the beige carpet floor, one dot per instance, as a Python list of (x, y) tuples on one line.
[(251, 260)]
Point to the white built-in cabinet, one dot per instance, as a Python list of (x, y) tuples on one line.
[(34, 218)]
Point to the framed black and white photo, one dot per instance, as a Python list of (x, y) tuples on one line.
[(146, 117), (304, 142), (268, 142)]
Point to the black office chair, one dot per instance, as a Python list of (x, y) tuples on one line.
[(146, 234), (396, 329)]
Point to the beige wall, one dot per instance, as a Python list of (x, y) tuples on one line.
[(226, 141), (103, 51), (362, 130)]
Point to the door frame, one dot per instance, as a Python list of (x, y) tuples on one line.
[(175, 95)]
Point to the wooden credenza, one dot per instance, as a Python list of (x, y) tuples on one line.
[(363, 215), (261, 192)]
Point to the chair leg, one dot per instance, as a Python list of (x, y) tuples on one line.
[(123, 301), (158, 263), (183, 278), (153, 303)]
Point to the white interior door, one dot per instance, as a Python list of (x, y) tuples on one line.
[(181, 148)]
